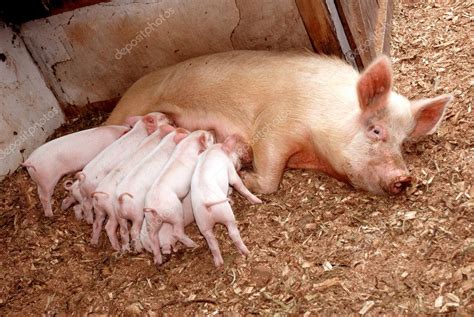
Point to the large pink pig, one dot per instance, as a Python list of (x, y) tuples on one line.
[(163, 202), (70, 153), (131, 191), (103, 163), (216, 169), (104, 195), (294, 109)]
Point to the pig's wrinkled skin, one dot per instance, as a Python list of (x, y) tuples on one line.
[(165, 236), (130, 193), (293, 109), (70, 153), (163, 200), (119, 150), (216, 169)]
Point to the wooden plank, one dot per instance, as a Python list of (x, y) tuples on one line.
[(383, 27), (367, 24), (319, 25)]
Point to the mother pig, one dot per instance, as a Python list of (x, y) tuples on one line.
[(293, 109)]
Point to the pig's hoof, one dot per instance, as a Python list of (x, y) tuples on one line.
[(48, 214), (158, 260)]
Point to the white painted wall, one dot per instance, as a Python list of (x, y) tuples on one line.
[(29, 112)]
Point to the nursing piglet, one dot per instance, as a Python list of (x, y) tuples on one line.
[(132, 189), (163, 201), (166, 236), (104, 195), (103, 163), (216, 169), (70, 153)]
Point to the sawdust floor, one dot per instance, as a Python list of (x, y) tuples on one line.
[(316, 245)]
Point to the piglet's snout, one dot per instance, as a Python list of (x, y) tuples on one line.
[(399, 184)]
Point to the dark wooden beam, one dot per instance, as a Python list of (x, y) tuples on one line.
[(319, 25)]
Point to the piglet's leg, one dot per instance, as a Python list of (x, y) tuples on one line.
[(78, 211), (178, 232), (111, 229), (87, 209), (45, 194), (97, 226), (137, 223), (174, 215), (214, 247), (237, 183), (124, 234), (234, 234), (153, 230)]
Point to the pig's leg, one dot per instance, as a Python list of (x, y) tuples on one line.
[(234, 234), (67, 202), (213, 246), (153, 230), (45, 193), (177, 220), (137, 223), (78, 211), (87, 209), (124, 233), (97, 226), (237, 183), (111, 229), (269, 160)]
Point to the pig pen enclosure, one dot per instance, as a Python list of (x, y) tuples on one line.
[(317, 246)]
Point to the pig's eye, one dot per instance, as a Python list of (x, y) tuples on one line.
[(376, 132)]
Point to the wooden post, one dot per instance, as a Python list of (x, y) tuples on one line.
[(319, 25)]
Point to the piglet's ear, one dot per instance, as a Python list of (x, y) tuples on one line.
[(180, 135), (150, 123), (375, 84), (229, 143), (132, 120), (202, 142), (428, 114)]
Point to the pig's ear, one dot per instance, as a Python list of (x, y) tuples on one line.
[(428, 114), (166, 129), (132, 120), (180, 135), (229, 144), (202, 142), (375, 84), (150, 123)]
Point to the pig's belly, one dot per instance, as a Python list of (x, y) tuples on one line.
[(222, 126)]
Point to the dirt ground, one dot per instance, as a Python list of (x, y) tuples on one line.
[(317, 245)]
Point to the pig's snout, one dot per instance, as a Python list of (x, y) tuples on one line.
[(399, 184)]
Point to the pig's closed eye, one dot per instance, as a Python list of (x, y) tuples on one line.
[(376, 132)]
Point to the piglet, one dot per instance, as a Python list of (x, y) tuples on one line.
[(166, 237), (163, 200), (216, 169), (103, 163), (104, 195), (70, 153), (132, 189)]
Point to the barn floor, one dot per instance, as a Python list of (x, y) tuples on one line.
[(316, 245)]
